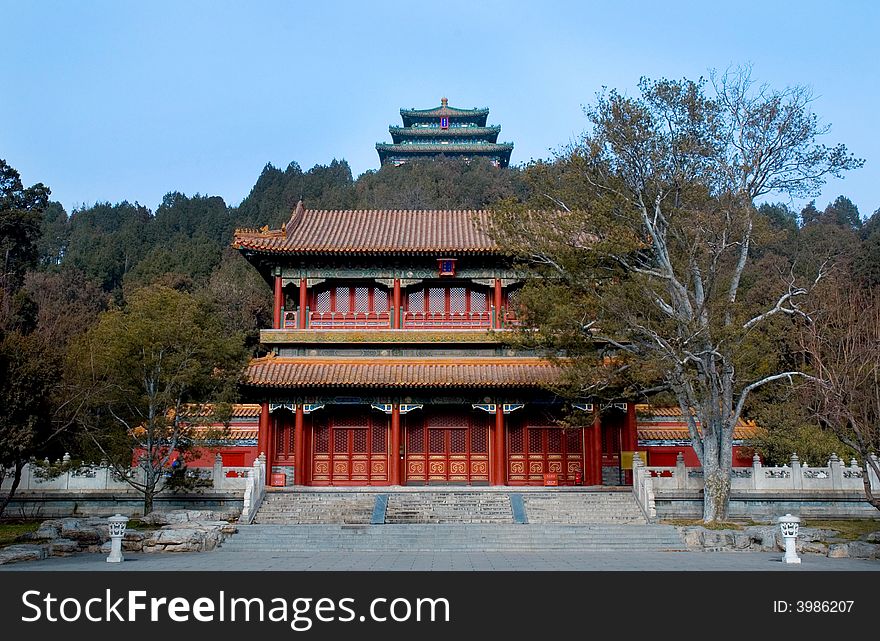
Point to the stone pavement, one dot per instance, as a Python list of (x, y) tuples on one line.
[(221, 560)]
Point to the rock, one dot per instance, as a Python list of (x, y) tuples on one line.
[(762, 538), (718, 539), (863, 550), (17, 553), (813, 535), (191, 537), (79, 531), (45, 533), (838, 551), (810, 547), (693, 538), (873, 537), (132, 546), (63, 547)]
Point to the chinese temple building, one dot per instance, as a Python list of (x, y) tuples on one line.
[(446, 131), (387, 363)]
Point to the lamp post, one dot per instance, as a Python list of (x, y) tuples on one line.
[(789, 525), (117, 531)]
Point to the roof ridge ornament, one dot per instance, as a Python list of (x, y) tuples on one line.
[(296, 218)]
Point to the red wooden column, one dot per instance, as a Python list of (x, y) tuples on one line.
[(597, 450), (299, 455), (263, 436), (271, 438), (497, 293), (632, 437), (500, 478), (395, 305), (279, 303), (394, 477), (303, 303)]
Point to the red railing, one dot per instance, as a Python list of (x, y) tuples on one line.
[(350, 320), (431, 320)]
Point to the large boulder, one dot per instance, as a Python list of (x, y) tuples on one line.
[(190, 536), (24, 552)]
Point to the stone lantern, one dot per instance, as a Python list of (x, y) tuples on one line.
[(117, 524), (789, 525)]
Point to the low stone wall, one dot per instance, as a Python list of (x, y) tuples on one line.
[(688, 504), (59, 503)]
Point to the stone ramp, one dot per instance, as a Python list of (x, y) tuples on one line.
[(583, 508), (460, 537), (448, 507)]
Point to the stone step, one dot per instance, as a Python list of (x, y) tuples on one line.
[(447, 537)]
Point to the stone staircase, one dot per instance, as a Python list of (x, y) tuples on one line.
[(583, 508), (447, 537), (448, 507), (315, 508), (460, 520)]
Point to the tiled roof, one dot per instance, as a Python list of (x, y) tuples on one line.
[(399, 373), (667, 423), (239, 410), (436, 232)]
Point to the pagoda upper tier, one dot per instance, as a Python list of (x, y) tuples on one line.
[(444, 131)]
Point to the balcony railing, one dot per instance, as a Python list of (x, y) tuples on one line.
[(350, 320), (431, 320)]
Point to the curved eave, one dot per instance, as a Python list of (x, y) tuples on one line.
[(489, 134), (345, 251)]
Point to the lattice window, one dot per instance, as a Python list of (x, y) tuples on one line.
[(479, 439), (280, 428), (359, 419), (343, 304), (361, 299), (535, 441), (378, 438), (513, 299), (478, 301), (322, 439), (359, 441), (380, 300), (436, 299), (554, 440), (573, 441), (416, 301), (447, 420), (436, 441), (416, 440), (458, 300), (515, 440), (340, 441), (457, 441), (322, 301)]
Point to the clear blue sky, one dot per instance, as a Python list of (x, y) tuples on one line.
[(105, 101)]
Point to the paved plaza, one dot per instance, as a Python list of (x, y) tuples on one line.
[(220, 560)]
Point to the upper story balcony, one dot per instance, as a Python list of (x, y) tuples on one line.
[(461, 306)]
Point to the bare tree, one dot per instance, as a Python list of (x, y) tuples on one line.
[(654, 235), (842, 345)]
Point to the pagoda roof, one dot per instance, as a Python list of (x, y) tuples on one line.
[(410, 116), (401, 133), (439, 148), (471, 373), (371, 232)]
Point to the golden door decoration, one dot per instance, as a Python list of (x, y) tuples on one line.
[(447, 447), (350, 447), (534, 450)]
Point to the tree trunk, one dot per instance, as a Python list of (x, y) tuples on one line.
[(16, 479), (716, 494), (148, 500), (866, 480)]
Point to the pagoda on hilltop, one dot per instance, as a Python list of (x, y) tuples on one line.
[(444, 131)]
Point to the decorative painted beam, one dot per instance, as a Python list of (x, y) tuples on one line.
[(308, 408), (409, 407), (486, 407), (282, 406), (507, 408), (586, 407), (386, 408)]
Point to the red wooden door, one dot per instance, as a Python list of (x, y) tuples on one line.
[(533, 451), (447, 448), (350, 449)]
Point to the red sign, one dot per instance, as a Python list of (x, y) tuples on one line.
[(551, 479)]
